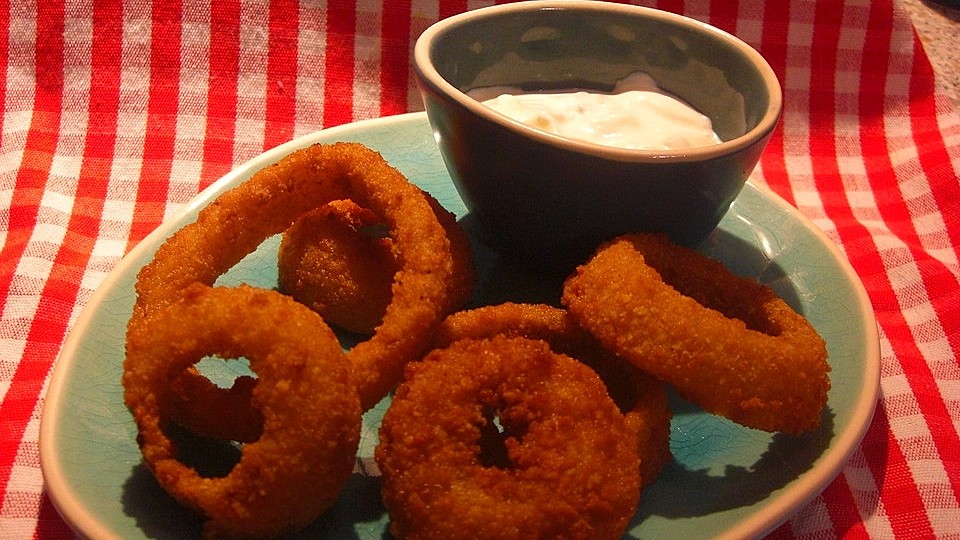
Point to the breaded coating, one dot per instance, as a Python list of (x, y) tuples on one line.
[(569, 467), (726, 343), (641, 398), (240, 219), (302, 459), (335, 261)]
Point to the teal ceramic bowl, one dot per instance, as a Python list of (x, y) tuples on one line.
[(546, 198)]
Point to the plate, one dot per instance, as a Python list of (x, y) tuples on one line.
[(725, 481)]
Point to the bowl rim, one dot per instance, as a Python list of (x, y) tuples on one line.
[(428, 74)]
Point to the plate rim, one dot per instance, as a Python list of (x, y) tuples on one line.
[(804, 488), (809, 485)]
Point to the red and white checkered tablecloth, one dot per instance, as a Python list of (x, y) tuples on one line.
[(115, 114)]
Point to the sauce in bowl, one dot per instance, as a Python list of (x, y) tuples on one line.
[(636, 115)]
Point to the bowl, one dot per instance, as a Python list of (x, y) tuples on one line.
[(545, 198)]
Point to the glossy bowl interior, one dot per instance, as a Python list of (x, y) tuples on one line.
[(543, 197)]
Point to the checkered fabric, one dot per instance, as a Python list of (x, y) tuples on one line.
[(115, 114)]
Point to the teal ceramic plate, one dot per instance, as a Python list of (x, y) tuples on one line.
[(726, 480)]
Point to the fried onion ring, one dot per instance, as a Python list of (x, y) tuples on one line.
[(333, 260), (238, 221), (726, 343), (640, 397), (572, 468), (336, 260), (311, 413)]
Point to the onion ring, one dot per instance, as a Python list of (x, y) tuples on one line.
[(330, 262), (640, 397), (311, 414), (238, 221), (573, 468), (336, 260), (726, 343)]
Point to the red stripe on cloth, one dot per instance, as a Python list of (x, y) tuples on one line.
[(724, 15), (222, 92), (774, 165), (899, 494), (824, 100), (162, 108), (942, 177), (939, 283), (282, 53), (773, 47), (4, 53), (339, 72), (395, 57), (49, 523), (842, 508), (932, 153), (451, 7), (28, 188), (674, 6), (59, 293), (886, 458), (881, 454), (40, 144)]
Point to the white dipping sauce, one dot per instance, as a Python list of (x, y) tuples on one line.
[(636, 115)]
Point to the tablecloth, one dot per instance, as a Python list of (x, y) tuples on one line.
[(116, 113)]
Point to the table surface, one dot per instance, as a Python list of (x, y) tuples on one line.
[(116, 114)]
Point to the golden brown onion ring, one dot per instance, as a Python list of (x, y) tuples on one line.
[(333, 260), (311, 413), (726, 343), (641, 398), (240, 219), (572, 468), (336, 260)]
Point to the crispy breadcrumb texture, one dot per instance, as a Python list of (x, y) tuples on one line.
[(641, 398), (240, 219), (570, 470), (726, 343), (302, 459)]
